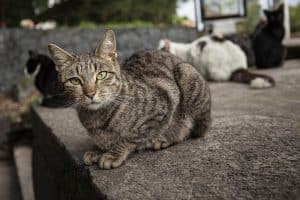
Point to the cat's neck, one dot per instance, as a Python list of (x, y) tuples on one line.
[(276, 31), (180, 49)]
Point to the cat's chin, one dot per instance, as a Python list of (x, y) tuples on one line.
[(97, 105), (94, 106)]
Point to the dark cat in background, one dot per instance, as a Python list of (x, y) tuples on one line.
[(42, 69), (267, 40), (263, 47)]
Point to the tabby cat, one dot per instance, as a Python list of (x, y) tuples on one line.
[(153, 100)]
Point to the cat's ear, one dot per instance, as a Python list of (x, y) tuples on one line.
[(267, 13), (167, 44), (280, 12), (201, 45), (280, 7), (60, 57), (164, 45), (107, 46)]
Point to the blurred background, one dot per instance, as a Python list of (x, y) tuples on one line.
[(127, 13), (77, 25)]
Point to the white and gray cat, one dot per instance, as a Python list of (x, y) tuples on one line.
[(217, 59), (153, 100)]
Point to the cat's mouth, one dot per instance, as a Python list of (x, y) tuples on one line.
[(98, 102), (94, 105), (94, 102)]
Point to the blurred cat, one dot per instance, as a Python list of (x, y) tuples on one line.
[(217, 59), (42, 69), (267, 40), (153, 100), (245, 43)]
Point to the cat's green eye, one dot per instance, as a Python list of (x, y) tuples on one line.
[(75, 81), (102, 75)]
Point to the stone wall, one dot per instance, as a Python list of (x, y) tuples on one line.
[(14, 44), (251, 152)]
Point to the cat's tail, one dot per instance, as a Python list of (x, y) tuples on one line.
[(256, 81)]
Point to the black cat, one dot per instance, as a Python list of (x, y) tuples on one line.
[(42, 68), (267, 40)]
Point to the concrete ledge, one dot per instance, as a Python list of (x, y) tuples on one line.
[(293, 48), (251, 152)]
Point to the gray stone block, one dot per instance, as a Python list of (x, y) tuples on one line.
[(252, 151)]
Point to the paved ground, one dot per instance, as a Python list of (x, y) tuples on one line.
[(23, 162), (9, 188), (10, 110), (8, 182), (251, 152)]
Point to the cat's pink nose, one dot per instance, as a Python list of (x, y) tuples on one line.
[(90, 94)]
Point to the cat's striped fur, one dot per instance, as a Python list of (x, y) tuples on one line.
[(153, 100)]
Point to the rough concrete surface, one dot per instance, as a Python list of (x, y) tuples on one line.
[(9, 187), (252, 151), (23, 162)]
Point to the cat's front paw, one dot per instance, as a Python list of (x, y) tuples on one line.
[(110, 161), (160, 144), (91, 157)]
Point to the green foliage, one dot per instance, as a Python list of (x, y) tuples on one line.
[(75, 12), (136, 23), (295, 18), (40, 5), (253, 16), (176, 20), (90, 13), (13, 11), (87, 24)]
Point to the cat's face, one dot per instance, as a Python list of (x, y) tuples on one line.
[(90, 81), (275, 17), (32, 63)]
